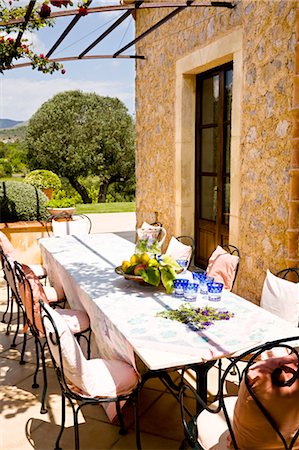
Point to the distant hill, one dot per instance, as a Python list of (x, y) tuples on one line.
[(8, 123), (14, 134)]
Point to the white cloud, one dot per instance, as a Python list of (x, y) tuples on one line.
[(20, 98)]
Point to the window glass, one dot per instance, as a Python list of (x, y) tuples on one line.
[(226, 201), (210, 100), (228, 88), (208, 198), (209, 149), (226, 167)]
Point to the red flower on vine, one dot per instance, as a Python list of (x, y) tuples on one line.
[(83, 11), (45, 11), (60, 3)]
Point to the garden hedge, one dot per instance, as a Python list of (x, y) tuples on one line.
[(22, 202)]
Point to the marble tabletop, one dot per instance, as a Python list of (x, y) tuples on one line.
[(123, 313)]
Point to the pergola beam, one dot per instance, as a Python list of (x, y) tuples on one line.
[(25, 23), (145, 5), (151, 29), (76, 58), (106, 32), (66, 32)]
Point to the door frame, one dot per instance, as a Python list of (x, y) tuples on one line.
[(221, 51)]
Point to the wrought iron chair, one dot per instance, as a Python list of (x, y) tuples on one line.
[(30, 292), (7, 249), (280, 294), (291, 274), (181, 247), (64, 224), (233, 250), (85, 382), (13, 295), (265, 412)]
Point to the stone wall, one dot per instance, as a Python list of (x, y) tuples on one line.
[(266, 123)]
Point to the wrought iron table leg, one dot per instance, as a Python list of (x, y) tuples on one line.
[(201, 371)]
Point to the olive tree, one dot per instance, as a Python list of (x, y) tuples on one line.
[(77, 134)]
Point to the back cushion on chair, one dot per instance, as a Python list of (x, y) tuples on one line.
[(8, 269), (281, 297), (7, 246), (178, 250), (96, 377), (34, 294), (222, 266), (251, 428)]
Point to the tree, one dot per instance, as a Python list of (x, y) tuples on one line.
[(15, 156), (77, 134)]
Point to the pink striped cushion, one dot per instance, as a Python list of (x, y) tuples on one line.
[(252, 430), (222, 266)]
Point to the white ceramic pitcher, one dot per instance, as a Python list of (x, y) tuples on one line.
[(150, 239)]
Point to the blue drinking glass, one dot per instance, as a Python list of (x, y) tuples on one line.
[(183, 263), (180, 285), (203, 285), (214, 291), (191, 290), (199, 276)]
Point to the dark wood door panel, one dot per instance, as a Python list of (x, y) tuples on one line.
[(212, 161)]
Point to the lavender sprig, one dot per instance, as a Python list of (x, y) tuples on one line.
[(200, 318)]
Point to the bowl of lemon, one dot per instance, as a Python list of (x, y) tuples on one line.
[(161, 269)]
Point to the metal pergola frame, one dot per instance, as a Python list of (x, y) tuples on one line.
[(129, 9)]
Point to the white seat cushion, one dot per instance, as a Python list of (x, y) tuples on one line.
[(213, 432), (76, 320), (178, 250), (281, 297), (53, 295)]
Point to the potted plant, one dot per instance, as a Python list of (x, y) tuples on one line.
[(61, 205), (45, 180)]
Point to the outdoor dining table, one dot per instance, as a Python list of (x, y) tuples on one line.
[(123, 313)]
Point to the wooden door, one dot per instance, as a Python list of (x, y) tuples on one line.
[(212, 162)]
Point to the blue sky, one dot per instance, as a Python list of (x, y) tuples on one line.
[(22, 91)]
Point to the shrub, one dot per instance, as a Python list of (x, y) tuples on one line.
[(62, 200), (5, 167), (43, 179), (20, 201)]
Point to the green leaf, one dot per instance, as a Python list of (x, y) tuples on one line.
[(167, 260), (167, 277), (151, 276), (130, 269)]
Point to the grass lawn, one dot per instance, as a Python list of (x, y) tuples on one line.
[(93, 208), (96, 208)]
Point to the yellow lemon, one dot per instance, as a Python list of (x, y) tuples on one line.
[(134, 259), (144, 258), (153, 263), (125, 265)]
